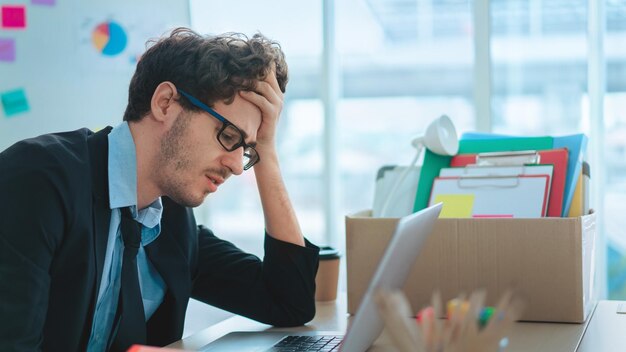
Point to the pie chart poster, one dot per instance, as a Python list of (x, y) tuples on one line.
[(114, 44), (109, 38)]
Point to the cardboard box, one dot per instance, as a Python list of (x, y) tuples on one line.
[(549, 262)]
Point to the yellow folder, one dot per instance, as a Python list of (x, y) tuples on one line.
[(576, 209)]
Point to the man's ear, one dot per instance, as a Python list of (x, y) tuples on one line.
[(164, 105)]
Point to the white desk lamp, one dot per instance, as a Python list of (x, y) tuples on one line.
[(440, 138)]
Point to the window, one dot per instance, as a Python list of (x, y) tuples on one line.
[(615, 148), (539, 55), (403, 64)]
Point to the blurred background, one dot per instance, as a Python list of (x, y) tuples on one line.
[(365, 77)]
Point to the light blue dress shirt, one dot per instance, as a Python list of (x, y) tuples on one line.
[(123, 193)]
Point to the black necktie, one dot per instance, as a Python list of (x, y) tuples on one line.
[(131, 328)]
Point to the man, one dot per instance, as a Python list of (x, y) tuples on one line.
[(98, 249)]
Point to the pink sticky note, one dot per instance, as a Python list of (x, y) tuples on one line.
[(7, 49), (14, 16)]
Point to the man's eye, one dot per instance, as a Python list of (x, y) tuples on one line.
[(229, 137)]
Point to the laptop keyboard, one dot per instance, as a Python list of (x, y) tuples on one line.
[(307, 343)]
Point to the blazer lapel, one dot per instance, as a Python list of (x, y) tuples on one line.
[(99, 156)]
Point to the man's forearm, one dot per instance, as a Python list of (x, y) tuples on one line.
[(280, 218)]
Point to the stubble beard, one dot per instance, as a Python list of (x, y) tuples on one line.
[(173, 165)]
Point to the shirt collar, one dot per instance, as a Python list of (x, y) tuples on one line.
[(123, 177)]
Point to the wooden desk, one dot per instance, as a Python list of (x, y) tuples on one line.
[(605, 331)]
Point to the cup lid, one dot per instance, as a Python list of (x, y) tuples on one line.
[(327, 252)]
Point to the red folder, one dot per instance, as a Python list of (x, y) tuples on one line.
[(142, 348), (556, 157)]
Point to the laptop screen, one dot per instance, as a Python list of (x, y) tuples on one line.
[(392, 272)]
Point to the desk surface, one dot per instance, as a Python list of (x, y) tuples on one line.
[(604, 331), (607, 329)]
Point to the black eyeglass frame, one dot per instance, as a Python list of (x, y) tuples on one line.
[(253, 158)]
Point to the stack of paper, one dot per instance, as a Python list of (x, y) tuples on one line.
[(502, 176)]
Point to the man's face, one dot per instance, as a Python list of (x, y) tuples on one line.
[(192, 162)]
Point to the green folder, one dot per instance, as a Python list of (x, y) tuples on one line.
[(433, 163)]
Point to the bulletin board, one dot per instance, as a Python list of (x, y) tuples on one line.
[(67, 64)]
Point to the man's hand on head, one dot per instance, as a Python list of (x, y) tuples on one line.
[(280, 218), (268, 97)]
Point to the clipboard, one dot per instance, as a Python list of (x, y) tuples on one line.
[(474, 171), (556, 157), (576, 145), (490, 197)]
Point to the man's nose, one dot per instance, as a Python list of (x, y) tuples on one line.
[(234, 161)]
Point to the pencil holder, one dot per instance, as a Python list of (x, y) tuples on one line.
[(468, 327)]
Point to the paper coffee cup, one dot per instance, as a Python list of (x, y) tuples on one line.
[(327, 275)]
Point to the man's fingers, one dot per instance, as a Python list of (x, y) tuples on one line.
[(254, 97), (273, 81), (265, 91), (257, 99), (266, 95), (268, 91)]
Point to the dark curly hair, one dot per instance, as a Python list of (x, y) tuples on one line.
[(211, 68)]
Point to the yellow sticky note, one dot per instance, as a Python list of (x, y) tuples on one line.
[(455, 205)]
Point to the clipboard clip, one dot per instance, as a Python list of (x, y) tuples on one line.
[(508, 158), (504, 181)]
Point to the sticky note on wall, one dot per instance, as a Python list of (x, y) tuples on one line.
[(14, 102), (13, 16), (7, 49)]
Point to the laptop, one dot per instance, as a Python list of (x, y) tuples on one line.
[(392, 272)]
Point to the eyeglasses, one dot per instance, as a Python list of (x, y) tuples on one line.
[(229, 136)]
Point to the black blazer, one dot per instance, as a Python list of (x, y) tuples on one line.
[(54, 224)]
